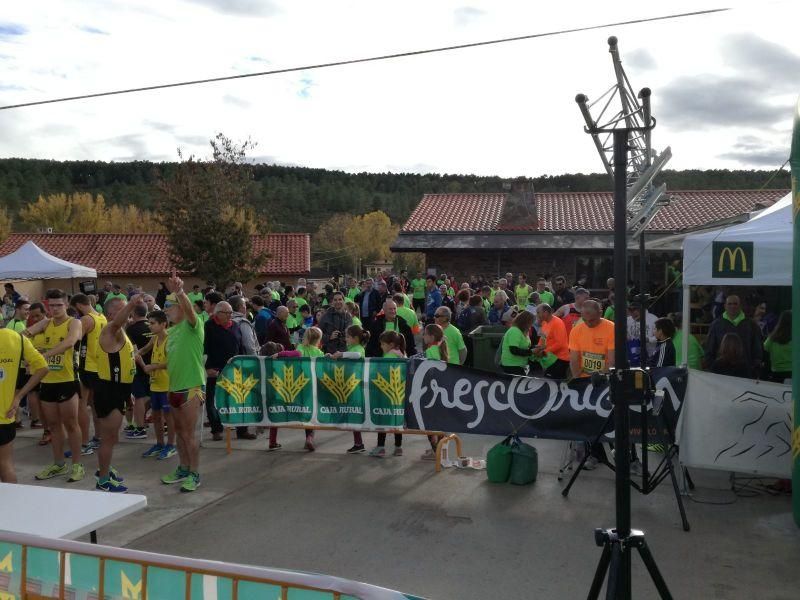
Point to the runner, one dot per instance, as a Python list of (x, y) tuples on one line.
[(92, 323), (418, 293), (14, 349), (116, 368), (187, 377), (139, 333), (571, 313), (552, 352), (159, 386), (59, 389)]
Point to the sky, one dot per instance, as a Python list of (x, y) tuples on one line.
[(724, 85)]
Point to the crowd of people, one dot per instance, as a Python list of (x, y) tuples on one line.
[(82, 365)]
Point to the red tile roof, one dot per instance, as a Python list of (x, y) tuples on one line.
[(579, 211), (457, 212), (147, 254)]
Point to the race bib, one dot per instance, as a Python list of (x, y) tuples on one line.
[(592, 362), (55, 363)]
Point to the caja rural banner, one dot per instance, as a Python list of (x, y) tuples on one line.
[(751, 423), (455, 399), (366, 394)]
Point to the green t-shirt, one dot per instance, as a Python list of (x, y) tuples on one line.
[(455, 343), (203, 316), (194, 296), (780, 356), (695, 351), (418, 288), (514, 337), (310, 351), (433, 352), (112, 295), (357, 321), (609, 314), (185, 356), (357, 348), (275, 295), (293, 321), (409, 316), (17, 325), (301, 302), (352, 293), (522, 292), (546, 297)]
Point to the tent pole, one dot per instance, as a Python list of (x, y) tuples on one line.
[(687, 326)]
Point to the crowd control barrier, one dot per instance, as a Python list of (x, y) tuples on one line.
[(71, 570)]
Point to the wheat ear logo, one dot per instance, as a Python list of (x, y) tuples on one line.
[(237, 388), (395, 388), (340, 387), (796, 444), (289, 386)]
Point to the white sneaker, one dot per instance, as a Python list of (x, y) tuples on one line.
[(429, 454), (590, 464)]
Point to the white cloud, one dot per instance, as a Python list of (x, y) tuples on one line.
[(506, 109)]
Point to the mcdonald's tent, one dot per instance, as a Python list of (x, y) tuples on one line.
[(757, 252)]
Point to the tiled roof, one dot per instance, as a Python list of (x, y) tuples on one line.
[(147, 254), (579, 211), (457, 212)]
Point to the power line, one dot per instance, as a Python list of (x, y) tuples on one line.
[(364, 60)]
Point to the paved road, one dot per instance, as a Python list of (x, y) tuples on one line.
[(394, 522)]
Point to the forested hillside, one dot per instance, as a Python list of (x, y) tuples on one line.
[(300, 199)]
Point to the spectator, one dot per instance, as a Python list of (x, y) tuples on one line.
[(368, 302), (263, 316), (447, 299), (634, 341), (570, 313), (501, 313), (334, 324), (277, 331), (433, 299), (695, 359), (734, 321), (222, 341), (406, 313), (250, 343), (503, 287), (418, 293), (456, 349), (552, 351), (545, 295), (515, 349), (388, 320), (19, 320), (731, 359), (664, 353), (779, 349), (563, 295)]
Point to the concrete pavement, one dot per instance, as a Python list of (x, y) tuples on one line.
[(394, 522)]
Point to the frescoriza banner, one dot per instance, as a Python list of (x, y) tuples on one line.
[(449, 398), (366, 394)]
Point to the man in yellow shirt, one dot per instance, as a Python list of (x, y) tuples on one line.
[(58, 393), (14, 349), (92, 323)]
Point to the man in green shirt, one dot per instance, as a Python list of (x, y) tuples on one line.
[(187, 378), (545, 295), (352, 289), (20, 319), (195, 294), (418, 293), (408, 314), (116, 292), (456, 349)]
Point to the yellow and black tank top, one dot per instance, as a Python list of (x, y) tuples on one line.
[(159, 379), (61, 367), (119, 366), (90, 344)]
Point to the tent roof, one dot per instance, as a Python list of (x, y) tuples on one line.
[(31, 262), (768, 234)]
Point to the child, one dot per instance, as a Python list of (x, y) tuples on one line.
[(435, 349), (159, 386), (310, 348), (352, 308), (275, 350), (393, 345), (356, 339), (664, 355), (306, 320)]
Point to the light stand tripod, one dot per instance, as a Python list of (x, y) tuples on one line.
[(618, 543)]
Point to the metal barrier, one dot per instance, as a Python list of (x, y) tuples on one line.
[(62, 569)]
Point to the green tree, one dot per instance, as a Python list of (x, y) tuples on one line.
[(5, 224), (205, 215)]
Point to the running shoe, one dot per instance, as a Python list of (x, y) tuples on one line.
[(136, 434), (128, 428), (398, 451), (178, 475), (112, 474), (356, 449), (78, 472), (111, 485), (86, 450), (378, 452), (273, 447), (167, 451), (309, 444), (660, 448), (36, 424), (429, 454), (590, 464), (154, 450), (192, 482), (52, 471), (94, 443)]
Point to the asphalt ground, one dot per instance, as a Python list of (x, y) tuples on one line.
[(394, 522)]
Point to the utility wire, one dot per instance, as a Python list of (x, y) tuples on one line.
[(364, 60)]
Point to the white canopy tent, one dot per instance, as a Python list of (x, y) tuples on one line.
[(31, 262), (757, 252)]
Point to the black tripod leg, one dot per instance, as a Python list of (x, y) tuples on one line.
[(655, 574), (600, 573), (575, 473), (613, 571), (678, 497)]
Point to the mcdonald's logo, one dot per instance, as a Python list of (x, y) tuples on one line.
[(129, 589), (732, 260), (7, 564)]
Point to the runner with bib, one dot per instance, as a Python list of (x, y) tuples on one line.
[(59, 389), (92, 323)]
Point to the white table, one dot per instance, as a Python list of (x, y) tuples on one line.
[(62, 513)]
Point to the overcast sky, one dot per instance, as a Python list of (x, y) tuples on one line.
[(723, 84)]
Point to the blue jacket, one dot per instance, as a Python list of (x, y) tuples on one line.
[(433, 300)]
